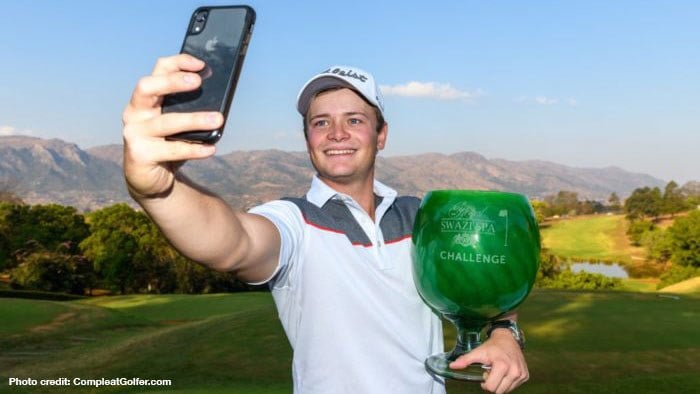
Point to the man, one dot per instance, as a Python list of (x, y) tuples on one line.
[(337, 261)]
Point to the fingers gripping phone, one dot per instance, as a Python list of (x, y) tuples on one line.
[(219, 36)]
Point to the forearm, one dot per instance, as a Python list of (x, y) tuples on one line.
[(197, 223)]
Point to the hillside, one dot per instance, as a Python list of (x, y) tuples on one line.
[(44, 171)]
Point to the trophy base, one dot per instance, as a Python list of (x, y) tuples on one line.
[(439, 365)]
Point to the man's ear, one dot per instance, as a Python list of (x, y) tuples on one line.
[(382, 136)]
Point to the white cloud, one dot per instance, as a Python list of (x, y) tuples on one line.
[(11, 130), (543, 100), (434, 90), (7, 130)]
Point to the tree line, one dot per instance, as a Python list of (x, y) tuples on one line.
[(643, 202), (567, 203), (117, 248)]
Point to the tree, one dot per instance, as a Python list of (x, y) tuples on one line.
[(614, 202), (673, 200), (637, 229), (53, 271), (113, 247), (658, 242), (644, 202), (589, 206), (540, 207), (49, 225), (564, 203), (685, 238)]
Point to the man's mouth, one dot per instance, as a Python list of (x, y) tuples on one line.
[(339, 152)]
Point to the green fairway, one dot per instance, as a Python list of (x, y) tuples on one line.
[(20, 315), (591, 238), (578, 342)]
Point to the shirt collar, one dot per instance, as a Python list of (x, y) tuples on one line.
[(320, 193)]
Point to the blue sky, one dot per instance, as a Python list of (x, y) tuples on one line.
[(582, 83)]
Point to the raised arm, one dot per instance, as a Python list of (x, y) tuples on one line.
[(197, 222)]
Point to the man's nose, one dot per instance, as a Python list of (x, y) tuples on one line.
[(338, 132)]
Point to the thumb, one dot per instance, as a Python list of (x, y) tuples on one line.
[(475, 356)]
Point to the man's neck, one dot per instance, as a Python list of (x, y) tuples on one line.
[(362, 192)]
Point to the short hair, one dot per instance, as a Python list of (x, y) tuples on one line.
[(377, 111)]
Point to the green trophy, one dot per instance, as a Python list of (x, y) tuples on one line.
[(476, 255)]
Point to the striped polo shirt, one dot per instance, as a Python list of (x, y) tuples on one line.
[(345, 294)]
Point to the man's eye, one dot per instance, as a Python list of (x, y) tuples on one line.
[(320, 123), (355, 121)]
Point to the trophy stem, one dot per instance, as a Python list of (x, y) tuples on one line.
[(468, 338)]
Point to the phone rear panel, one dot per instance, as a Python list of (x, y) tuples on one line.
[(219, 36)]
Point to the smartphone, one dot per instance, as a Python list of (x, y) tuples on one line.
[(219, 36)]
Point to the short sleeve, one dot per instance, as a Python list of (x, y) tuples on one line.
[(287, 218)]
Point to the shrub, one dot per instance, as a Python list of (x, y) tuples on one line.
[(677, 274), (685, 238), (552, 276), (580, 281), (637, 229), (646, 269), (658, 243)]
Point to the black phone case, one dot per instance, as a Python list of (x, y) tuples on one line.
[(221, 42)]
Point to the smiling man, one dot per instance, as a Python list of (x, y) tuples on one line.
[(337, 260)]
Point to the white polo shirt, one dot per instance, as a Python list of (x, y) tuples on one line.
[(345, 294)]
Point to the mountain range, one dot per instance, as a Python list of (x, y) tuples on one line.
[(55, 171)]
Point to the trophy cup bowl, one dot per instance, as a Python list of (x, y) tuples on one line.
[(475, 258)]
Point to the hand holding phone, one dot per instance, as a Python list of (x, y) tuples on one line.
[(219, 36)]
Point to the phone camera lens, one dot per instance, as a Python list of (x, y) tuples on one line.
[(200, 20)]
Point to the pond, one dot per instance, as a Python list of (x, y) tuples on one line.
[(610, 270)]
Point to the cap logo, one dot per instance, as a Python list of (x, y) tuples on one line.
[(347, 74)]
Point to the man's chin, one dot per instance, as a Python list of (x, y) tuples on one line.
[(338, 178)]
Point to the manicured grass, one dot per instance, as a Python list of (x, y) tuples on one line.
[(578, 342), (19, 315), (177, 307), (591, 238), (643, 285), (202, 343)]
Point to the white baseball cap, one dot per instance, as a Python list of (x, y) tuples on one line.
[(353, 78)]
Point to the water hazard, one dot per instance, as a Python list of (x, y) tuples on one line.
[(609, 270)]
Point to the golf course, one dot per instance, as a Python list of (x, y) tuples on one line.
[(634, 341)]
